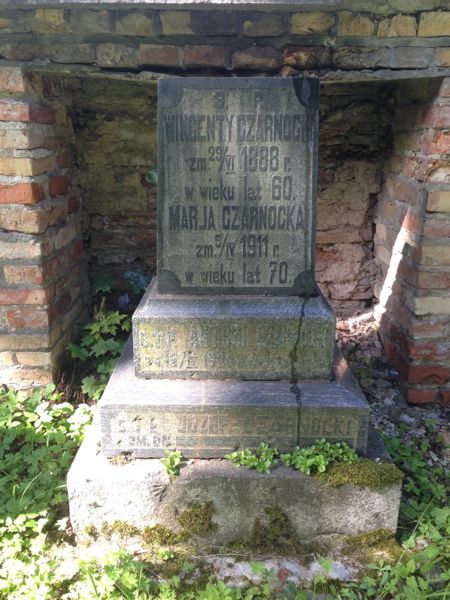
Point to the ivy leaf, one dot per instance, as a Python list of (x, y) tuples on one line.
[(106, 346), (78, 352)]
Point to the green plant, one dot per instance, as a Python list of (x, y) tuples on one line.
[(173, 462), (318, 457), (39, 434), (264, 459), (100, 348)]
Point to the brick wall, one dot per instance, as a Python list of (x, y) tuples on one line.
[(413, 242), (343, 42), (350, 35), (42, 291)]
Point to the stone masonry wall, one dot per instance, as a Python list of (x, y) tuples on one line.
[(413, 243), (42, 285), (348, 35), (340, 41), (114, 123)]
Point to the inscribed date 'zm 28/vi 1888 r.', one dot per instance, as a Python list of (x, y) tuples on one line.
[(236, 185)]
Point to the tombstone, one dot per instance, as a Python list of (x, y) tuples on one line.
[(233, 344)]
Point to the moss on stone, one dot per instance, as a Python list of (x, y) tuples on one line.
[(364, 473), (121, 528), (197, 519), (160, 535), (91, 531), (374, 546), (277, 534)]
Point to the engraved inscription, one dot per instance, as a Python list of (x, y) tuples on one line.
[(249, 346), (170, 429), (238, 188)]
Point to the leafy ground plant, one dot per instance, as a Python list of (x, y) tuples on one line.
[(39, 435), (173, 462), (264, 459), (319, 456), (100, 348)]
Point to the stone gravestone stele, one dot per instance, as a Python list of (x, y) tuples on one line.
[(233, 344), (236, 175)]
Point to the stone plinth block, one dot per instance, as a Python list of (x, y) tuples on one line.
[(237, 337), (140, 493), (209, 418)]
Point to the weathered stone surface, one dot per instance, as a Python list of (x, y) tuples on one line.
[(236, 185), (140, 493), (210, 418), (259, 338)]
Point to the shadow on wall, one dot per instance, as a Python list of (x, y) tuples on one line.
[(114, 123), (412, 244)]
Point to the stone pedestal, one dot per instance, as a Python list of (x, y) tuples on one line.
[(141, 494), (210, 418), (233, 337)]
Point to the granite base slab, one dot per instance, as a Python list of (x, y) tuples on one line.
[(233, 337), (139, 492), (207, 419)]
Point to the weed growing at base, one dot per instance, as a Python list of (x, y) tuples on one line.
[(39, 434), (100, 349)]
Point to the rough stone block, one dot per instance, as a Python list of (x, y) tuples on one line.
[(117, 55), (200, 56), (211, 418), (433, 24), (438, 201), (50, 20), (176, 22), (90, 21), (398, 26), (159, 55), (242, 337), (263, 25), (256, 58), (311, 23), (136, 24), (140, 493), (354, 24)]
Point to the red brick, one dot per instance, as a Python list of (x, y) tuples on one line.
[(424, 330), (437, 116), (256, 57), (204, 56), (436, 142), (419, 168), (78, 250), (306, 57), (403, 189), (60, 307), (25, 112), (444, 92), (444, 396), (436, 227), (12, 80), (423, 350), (27, 318), (433, 280), (160, 55), (64, 160), (31, 274), (72, 205), (24, 296), (418, 395), (59, 185), (427, 374), (21, 193)]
